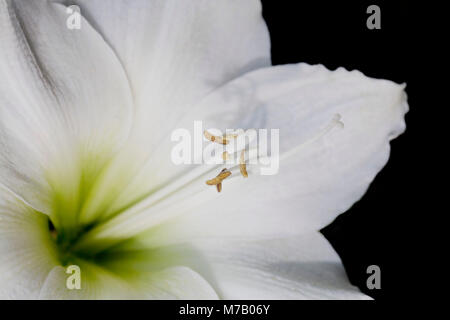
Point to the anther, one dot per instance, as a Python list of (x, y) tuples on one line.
[(242, 165), (225, 173)]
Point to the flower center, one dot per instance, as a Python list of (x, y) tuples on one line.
[(65, 240)]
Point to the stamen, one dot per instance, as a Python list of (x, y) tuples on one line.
[(169, 201), (242, 165), (225, 173)]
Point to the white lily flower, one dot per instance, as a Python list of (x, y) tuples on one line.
[(85, 122)]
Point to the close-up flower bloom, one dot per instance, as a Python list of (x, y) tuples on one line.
[(86, 176)]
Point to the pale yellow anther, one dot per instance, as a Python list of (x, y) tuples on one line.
[(242, 165), (225, 173)]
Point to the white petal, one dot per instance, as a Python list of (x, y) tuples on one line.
[(316, 181), (26, 252), (174, 53), (303, 267), (64, 99)]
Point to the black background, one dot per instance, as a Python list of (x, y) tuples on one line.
[(335, 34)]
